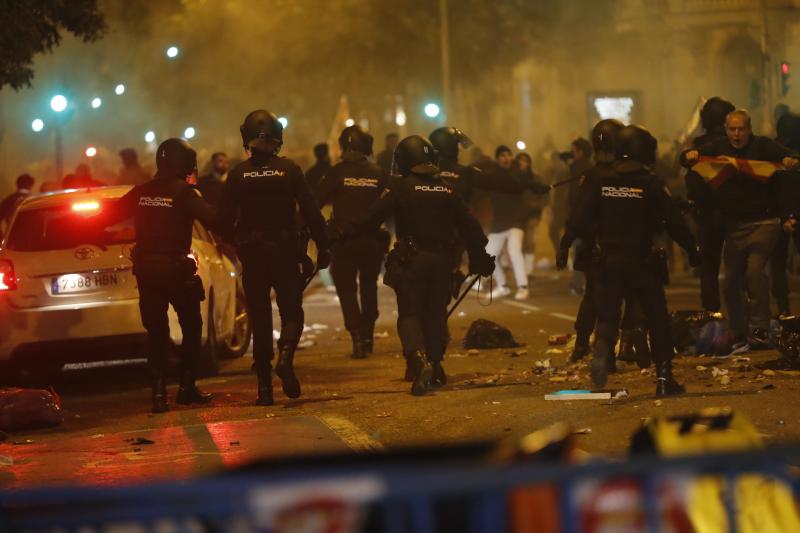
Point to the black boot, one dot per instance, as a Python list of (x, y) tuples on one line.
[(423, 374), (599, 370), (627, 350), (358, 346), (580, 350), (666, 384), (160, 395), (285, 371), (188, 393), (639, 339), (611, 364), (368, 339), (439, 377), (264, 374)]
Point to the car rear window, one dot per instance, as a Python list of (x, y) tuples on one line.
[(59, 228)]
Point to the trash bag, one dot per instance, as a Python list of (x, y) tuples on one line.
[(789, 338), (686, 326), (487, 334), (716, 338), (28, 409)]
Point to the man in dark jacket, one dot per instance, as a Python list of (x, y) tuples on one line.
[(748, 205), (9, 205), (211, 184), (321, 166)]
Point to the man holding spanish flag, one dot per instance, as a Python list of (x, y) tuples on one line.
[(741, 172)]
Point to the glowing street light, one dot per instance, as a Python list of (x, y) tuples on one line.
[(284, 121), (58, 103), (37, 125), (400, 117), (96, 102), (188, 133), (119, 89), (521, 145), (172, 52), (349, 122), (150, 136), (432, 110), (91, 151)]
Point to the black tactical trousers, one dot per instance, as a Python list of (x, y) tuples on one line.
[(778, 265), (156, 294), (587, 314), (616, 277), (266, 267), (711, 238), (355, 269), (422, 298)]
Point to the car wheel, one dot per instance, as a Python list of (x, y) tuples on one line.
[(238, 343), (209, 364)]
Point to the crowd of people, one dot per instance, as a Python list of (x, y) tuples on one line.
[(610, 210)]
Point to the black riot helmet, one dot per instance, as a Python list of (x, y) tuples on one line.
[(446, 141), (415, 155), (788, 130), (713, 114), (354, 139), (635, 148), (262, 131), (175, 159), (604, 135)]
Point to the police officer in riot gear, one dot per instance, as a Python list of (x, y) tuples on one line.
[(353, 186), (705, 208), (164, 210), (428, 214), (257, 212), (628, 210)]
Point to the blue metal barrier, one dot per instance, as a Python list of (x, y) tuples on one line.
[(403, 497)]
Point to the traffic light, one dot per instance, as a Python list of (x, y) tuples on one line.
[(785, 73)]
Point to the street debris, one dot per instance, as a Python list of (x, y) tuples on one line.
[(725, 380), (768, 372), (557, 340), (582, 431), (487, 334), (473, 351), (138, 441), (558, 379), (29, 409), (383, 414), (316, 327), (768, 386), (553, 351), (716, 372), (687, 329), (307, 343), (541, 365), (382, 335), (585, 394), (658, 403), (701, 368)]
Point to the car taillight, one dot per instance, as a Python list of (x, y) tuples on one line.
[(82, 207), (8, 280)]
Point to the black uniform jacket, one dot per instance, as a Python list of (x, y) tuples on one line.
[(260, 198)]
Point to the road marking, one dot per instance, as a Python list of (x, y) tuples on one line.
[(354, 437), (530, 307)]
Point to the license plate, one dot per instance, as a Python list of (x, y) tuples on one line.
[(70, 283)]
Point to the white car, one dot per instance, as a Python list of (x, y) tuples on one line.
[(67, 297)]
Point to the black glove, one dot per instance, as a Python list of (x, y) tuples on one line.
[(562, 256), (694, 257), (323, 259), (482, 264)]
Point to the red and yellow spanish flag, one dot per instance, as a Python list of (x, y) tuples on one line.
[(717, 170)]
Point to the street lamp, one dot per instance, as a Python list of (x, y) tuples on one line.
[(432, 110), (96, 102), (284, 121), (119, 89), (172, 52), (349, 122), (58, 103), (91, 151), (188, 133), (37, 125), (150, 136), (521, 145)]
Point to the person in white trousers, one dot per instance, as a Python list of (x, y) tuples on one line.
[(509, 219)]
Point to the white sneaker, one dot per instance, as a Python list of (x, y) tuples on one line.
[(501, 292), (522, 293)]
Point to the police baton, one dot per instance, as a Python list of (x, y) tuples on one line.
[(463, 294)]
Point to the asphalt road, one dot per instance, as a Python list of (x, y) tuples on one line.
[(365, 405)]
